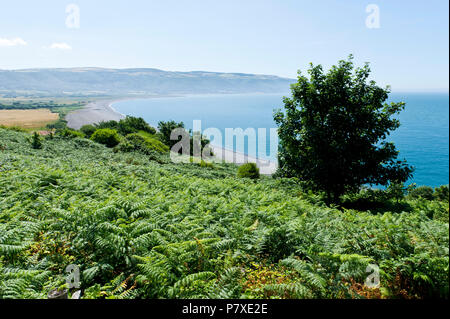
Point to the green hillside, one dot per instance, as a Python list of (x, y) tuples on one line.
[(140, 227)]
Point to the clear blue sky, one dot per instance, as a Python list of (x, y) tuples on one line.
[(410, 50)]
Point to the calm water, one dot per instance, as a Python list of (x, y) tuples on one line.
[(423, 138)]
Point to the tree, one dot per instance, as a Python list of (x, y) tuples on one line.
[(165, 129), (333, 131)]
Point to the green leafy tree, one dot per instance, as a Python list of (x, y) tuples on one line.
[(106, 136), (333, 131), (165, 129)]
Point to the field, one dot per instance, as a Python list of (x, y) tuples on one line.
[(27, 119), (141, 228)]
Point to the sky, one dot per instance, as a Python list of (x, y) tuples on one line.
[(406, 42)]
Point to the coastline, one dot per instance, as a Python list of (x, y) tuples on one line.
[(98, 111), (266, 167), (94, 112)]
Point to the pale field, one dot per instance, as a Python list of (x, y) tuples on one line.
[(27, 118)]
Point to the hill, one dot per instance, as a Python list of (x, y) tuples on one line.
[(101, 82), (140, 227)]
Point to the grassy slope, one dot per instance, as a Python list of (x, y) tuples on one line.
[(166, 230)]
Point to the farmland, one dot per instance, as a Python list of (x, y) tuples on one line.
[(143, 227), (28, 119)]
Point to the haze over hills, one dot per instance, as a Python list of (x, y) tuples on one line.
[(100, 81)]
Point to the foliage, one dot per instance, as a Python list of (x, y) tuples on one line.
[(333, 131), (441, 193), (69, 133), (201, 142), (36, 142), (425, 192), (147, 145), (128, 125), (88, 130), (248, 170), (106, 136), (139, 229), (165, 129)]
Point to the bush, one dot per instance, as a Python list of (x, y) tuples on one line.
[(139, 143), (36, 141), (132, 124), (106, 136), (88, 130), (70, 133), (58, 125), (425, 192), (128, 125), (113, 125), (441, 193), (248, 170)]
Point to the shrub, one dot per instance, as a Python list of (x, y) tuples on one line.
[(206, 164), (441, 193), (88, 130), (128, 125), (132, 124), (425, 192), (36, 141), (248, 170), (58, 125), (146, 145), (106, 136), (68, 133), (113, 125)]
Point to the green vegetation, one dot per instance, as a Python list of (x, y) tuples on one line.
[(69, 133), (248, 170), (128, 125), (88, 130), (145, 144), (36, 141), (165, 131), (333, 132), (55, 107), (141, 229), (106, 136)]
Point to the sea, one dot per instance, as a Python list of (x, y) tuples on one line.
[(422, 139)]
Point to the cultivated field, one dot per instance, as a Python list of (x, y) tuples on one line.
[(27, 118)]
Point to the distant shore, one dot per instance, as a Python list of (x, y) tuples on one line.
[(266, 167), (94, 112)]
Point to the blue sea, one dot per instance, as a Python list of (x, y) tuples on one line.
[(423, 138)]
